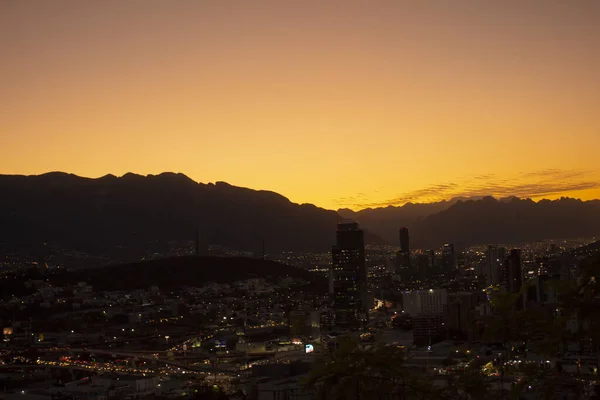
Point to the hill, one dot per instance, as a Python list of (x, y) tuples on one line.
[(173, 273), (97, 215), (166, 273)]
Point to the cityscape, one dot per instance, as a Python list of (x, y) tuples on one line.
[(492, 313), (299, 200)]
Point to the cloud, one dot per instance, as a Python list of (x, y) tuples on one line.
[(535, 184)]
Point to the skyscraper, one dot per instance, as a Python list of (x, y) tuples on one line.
[(494, 265), (349, 275), (512, 277), (458, 313), (448, 258), (404, 240), (426, 307), (430, 301), (403, 256)]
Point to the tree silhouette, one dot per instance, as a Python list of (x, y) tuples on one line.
[(546, 332), (470, 384), (369, 372)]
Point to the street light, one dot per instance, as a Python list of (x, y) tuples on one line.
[(167, 339)]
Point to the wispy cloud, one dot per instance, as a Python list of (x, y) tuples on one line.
[(536, 184)]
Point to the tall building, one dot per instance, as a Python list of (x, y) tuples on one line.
[(426, 307), (540, 290), (403, 264), (430, 301), (460, 254), (448, 258), (512, 276), (459, 314), (304, 324), (494, 265), (404, 240), (431, 255), (427, 329), (349, 275), (403, 256), (327, 319), (425, 264)]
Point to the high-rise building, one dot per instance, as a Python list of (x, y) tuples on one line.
[(514, 279), (494, 265), (330, 278), (459, 313), (304, 324), (426, 307), (427, 329), (431, 254), (460, 251), (349, 275), (448, 258), (430, 301), (404, 240), (327, 319), (423, 266), (403, 264), (403, 256), (512, 275)]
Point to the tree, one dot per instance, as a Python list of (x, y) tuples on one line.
[(546, 332), (470, 384), (512, 327), (369, 372)]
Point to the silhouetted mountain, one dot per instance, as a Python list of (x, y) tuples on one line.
[(509, 221), (133, 211), (482, 220), (385, 221), (96, 215)]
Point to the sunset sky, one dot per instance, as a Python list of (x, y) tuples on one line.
[(337, 103)]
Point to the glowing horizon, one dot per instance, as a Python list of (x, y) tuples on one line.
[(431, 194), (339, 104)]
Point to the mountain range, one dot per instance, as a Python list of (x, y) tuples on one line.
[(483, 220), (95, 215)]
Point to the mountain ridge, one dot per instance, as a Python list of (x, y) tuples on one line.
[(96, 214), (490, 220), (421, 218)]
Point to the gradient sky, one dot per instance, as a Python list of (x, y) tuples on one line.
[(336, 103)]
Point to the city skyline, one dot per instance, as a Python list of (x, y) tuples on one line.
[(355, 106)]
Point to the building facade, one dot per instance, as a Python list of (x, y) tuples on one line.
[(349, 275)]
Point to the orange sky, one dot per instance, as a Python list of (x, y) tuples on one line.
[(336, 103)]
